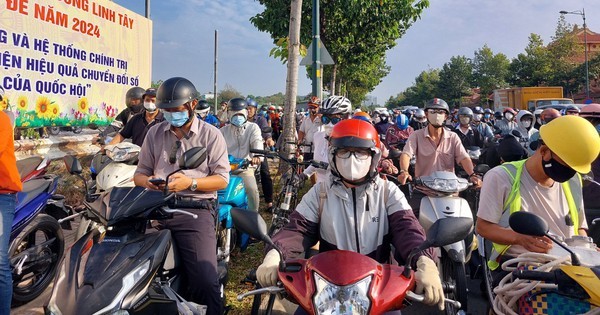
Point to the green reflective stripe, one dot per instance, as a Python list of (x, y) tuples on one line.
[(513, 204)]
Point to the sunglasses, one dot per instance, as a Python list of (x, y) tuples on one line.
[(173, 153), (334, 120), (359, 154)]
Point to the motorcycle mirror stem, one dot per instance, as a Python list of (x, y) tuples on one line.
[(166, 189), (411, 256)]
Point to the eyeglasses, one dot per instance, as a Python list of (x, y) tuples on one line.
[(436, 111), (334, 120), (173, 154), (359, 154)]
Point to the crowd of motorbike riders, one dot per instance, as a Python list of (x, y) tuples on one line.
[(533, 157)]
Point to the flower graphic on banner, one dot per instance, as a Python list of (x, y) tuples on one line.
[(83, 105), (22, 103), (54, 111), (42, 107), (4, 103)]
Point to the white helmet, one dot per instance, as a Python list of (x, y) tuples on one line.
[(336, 105)]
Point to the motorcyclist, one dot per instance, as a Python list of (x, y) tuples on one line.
[(570, 110), (241, 136), (524, 121), (546, 184), (354, 209), (479, 124), (436, 148), (383, 124), (418, 121), (203, 112), (137, 127), (222, 113), (488, 117), (537, 119), (507, 123), (195, 238), (134, 103), (309, 126), (333, 110), (548, 115), (469, 136), (265, 176), (591, 112)]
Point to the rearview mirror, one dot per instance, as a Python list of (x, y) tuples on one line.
[(72, 164), (528, 223), (395, 153), (482, 168), (251, 223), (93, 126), (192, 158), (447, 231), (266, 130)]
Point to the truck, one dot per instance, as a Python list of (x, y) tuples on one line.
[(529, 98)]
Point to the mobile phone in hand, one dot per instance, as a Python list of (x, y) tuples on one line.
[(157, 181)]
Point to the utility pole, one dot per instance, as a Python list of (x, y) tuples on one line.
[(147, 9), (316, 52), (215, 76)]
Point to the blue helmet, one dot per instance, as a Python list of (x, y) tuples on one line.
[(251, 102), (402, 121)]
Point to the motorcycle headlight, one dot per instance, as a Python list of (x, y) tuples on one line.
[(446, 185), (128, 282), (350, 299)]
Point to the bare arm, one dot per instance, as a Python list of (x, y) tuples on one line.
[(506, 236), (117, 139)]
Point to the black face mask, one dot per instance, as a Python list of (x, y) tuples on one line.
[(136, 108), (557, 171)]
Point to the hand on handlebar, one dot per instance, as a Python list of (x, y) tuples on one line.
[(255, 160), (429, 283), (476, 180), (266, 274), (404, 177)]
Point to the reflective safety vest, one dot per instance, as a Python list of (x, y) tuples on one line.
[(571, 188)]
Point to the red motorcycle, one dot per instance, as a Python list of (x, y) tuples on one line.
[(32, 167), (346, 282)]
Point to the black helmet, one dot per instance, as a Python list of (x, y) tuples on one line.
[(149, 92), (236, 104), (134, 93), (437, 103), (175, 92), (202, 104)]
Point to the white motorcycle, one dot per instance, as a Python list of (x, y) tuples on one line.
[(441, 200), (114, 169)]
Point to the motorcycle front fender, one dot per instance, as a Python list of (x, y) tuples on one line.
[(456, 251)]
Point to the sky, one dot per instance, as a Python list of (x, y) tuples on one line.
[(183, 40)]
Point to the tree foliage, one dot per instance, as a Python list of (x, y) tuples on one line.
[(228, 92), (490, 71), (357, 34), (455, 79)]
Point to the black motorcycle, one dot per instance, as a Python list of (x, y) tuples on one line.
[(123, 267)]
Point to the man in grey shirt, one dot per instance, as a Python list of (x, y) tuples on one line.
[(195, 238)]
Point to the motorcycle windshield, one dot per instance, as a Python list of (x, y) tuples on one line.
[(125, 202)]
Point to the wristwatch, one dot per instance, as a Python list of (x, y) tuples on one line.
[(403, 171), (194, 185)]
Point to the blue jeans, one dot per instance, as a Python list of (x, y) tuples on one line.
[(7, 213)]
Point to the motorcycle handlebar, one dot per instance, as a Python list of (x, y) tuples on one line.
[(420, 298), (548, 277), (269, 290)]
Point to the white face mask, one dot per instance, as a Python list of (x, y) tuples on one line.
[(477, 117), (149, 106), (376, 119), (509, 116), (436, 120), (352, 169), (465, 120)]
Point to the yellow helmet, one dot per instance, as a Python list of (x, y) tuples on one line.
[(574, 140)]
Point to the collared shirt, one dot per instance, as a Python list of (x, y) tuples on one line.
[(241, 139), (262, 122), (137, 127), (154, 155), (429, 157), (321, 154), (309, 127), (10, 181), (396, 138)]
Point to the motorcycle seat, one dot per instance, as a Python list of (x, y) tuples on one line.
[(28, 165), (32, 189)]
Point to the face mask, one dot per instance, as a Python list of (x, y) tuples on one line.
[(526, 123), (352, 169), (436, 120), (136, 108), (558, 172), (313, 111), (149, 106), (539, 121), (238, 120), (465, 120), (376, 119), (477, 117), (384, 119), (509, 116), (202, 113), (487, 116), (176, 119)]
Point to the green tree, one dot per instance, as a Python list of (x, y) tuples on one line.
[(357, 34), (490, 71), (532, 68), (425, 88), (228, 92), (455, 79), (564, 51)]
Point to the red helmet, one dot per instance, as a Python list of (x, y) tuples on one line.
[(272, 107), (590, 110), (510, 110), (314, 102), (355, 133)]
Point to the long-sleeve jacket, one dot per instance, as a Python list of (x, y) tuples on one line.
[(367, 219), (241, 139)]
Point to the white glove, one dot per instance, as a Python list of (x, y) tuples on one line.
[(266, 274), (428, 282)]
